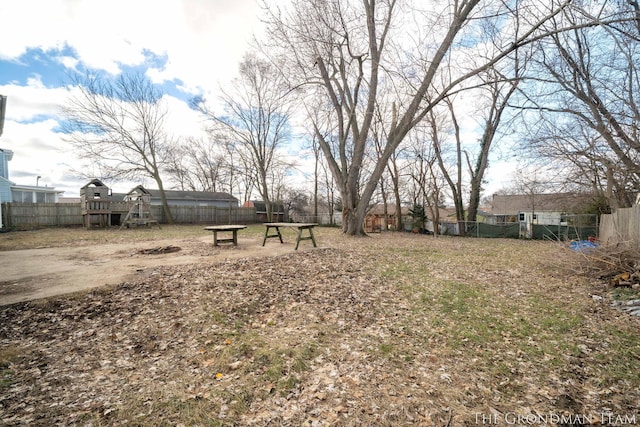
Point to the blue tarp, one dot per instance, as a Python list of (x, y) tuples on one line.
[(582, 245)]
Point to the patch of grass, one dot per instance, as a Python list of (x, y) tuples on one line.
[(625, 294), (386, 349), (159, 410), (304, 355), (616, 350), (505, 335), (421, 324), (8, 355), (274, 368), (396, 270), (277, 367), (465, 311)]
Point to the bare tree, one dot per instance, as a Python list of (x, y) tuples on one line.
[(584, 94), (199, 165), (427, 179), (500, 89), (582, 159), (437, 129), (379, 131), (178, 169), (256, 121), (297, 203), (331, 196), (346, 50), (119, 126)]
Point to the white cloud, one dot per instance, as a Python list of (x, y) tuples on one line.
[(202, 39), (38, 150), (30, 131), (25, 103), (202, 42), (69, 62), (182, 120)]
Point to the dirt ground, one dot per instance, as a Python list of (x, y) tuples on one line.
[(41, 273), (396, 329)]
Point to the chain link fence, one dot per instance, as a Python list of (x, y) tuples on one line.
[(572, 227)]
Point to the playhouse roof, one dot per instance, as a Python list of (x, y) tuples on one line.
[(94, 182)]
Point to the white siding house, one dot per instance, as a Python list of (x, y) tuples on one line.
[(549, 209), (12, 192)]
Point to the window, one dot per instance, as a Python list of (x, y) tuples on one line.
[(521, 216), (40, 197), (22, 196)]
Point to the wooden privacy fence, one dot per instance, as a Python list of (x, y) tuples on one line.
[(623, 225), (212, 215), (35, 215)]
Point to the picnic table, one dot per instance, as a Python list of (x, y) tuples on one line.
[(299, 226), (225, 228)]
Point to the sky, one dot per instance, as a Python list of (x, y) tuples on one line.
[(187, 46)]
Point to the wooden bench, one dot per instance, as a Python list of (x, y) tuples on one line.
[(299, 226), (225, 228)]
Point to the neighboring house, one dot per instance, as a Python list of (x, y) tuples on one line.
[(12, 192), (548, 209), (484, 216), (277, 211), (375, 220), (481, 216), (540, 209), (447, 220), (186, 198)]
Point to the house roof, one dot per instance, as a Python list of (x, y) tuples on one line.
[(442, 212), (194, 195), (479, 212), (8, 153), (181, 195), (378, 209), (3, 179), (36, 188), (554, 202), (139, 189)]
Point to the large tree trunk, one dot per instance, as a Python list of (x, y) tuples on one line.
[(353, 222), (476, 184), (165, 204)]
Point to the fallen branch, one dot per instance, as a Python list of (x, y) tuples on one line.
[(159, 250)]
